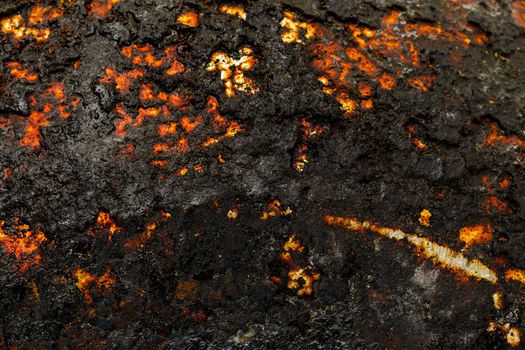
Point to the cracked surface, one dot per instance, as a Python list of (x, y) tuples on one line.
[(167, 168)]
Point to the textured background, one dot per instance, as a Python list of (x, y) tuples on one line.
[(135, 241)]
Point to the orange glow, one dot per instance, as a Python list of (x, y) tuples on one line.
[(85, 280), (143, 238), (493, 202), (518, 12), (234, 79), (275, 209), (198, 168), (505, 183), (422, 82), (440, 255), (25, 245), (477, 234), (104, 221), (44, 107), (16, 70), (159, 163), (340, 66), (100, 8), (348, 105), (233, 11), (419, 143), (190, 19), (122, 80), (183, 171), (386, 81), (31, 137), (189, 125), (495, 137), (515, 275), (167, 129), (424, 217), (33, 27)]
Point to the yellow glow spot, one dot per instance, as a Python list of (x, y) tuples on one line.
[(233, 11), (86, 279), (233, 214), (293, 26), (190, 19), (512, 334), (515, 275), (497, 298), (232, 71), (424, 217)]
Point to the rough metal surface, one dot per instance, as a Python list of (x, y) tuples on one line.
[(147, 203)]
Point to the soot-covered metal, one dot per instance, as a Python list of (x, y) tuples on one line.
[(322, 174)]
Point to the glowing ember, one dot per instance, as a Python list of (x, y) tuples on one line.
[(141, 240), (478, 234), (497, 299), (122, 80), (104, 223), (493, 202), (512, 334), (275, 209), (233, 214), (233, 11), (302, 280), (341, 66), (100, 8), (308, 133), (50, 104), (495, 137), (144, 55), (232, 71), (439, 254), (515, 275), (424, 217), (34, 26), (16, 70), (86, 280), (190, 19), (25, 245), (295, 27)]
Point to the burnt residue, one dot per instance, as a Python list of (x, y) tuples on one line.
[(171, 171)]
